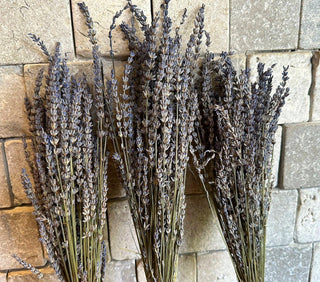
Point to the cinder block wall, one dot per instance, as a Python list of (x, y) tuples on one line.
[(286, 32)]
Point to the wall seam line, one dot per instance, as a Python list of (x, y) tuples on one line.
[(299, 27), (72, 30), (311, 262)]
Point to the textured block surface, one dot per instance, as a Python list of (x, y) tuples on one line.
[(316, 90), (288, 264), (216, 266), (50, 20), (276, 156), (308, 216), (120, 271), (315, 267), (281, 219), (296, 108), (201, 231), (140, 271), (16, 162), (102, 13), (187, 268), (28, 276), (19, 235), (310, 24), (13, 121), (5, 200), (123, 238), (257, 25), (301, 156), (216, 20)]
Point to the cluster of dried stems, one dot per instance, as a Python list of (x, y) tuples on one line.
[(233, 152), (153, 121), (69, 169)]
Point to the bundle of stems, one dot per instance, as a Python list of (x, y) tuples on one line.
[(69, 169), (233, 153), (152, 119)]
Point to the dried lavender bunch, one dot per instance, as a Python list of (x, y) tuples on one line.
[(152, 119), (69, 169), (233, 153)]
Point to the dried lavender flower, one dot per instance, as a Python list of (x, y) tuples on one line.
[(153, 120), (70, 166), (233, 152)]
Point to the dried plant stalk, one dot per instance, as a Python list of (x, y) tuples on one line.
[(152, 120), (69, 169), (233, 153)]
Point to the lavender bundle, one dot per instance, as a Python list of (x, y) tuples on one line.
[(69, 170), (233, 153), (153, 120)]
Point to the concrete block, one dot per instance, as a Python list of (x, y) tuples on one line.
[(315, 267), (288, 264), (281, 219), (187, 268), (315, 115), (216, 266), (27, 276), (264, 25), (201, 229), (16, 162), (301, 156), (308, 216), (50, 20), (13, 120), (124, 244), (19, 235), (310, 24), (120, 271), (276, 156)]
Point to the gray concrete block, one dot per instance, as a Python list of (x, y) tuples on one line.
[(301, 156), (122, 271), (16, 162), (123, 240), (216, 266), (315, 115), (201, 229), (315, 266), (288, 264), (13, 120), (310, 25), (308, 216), (276, 156), (50, 20), (264, 25), (187, 268), (281, 219)]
